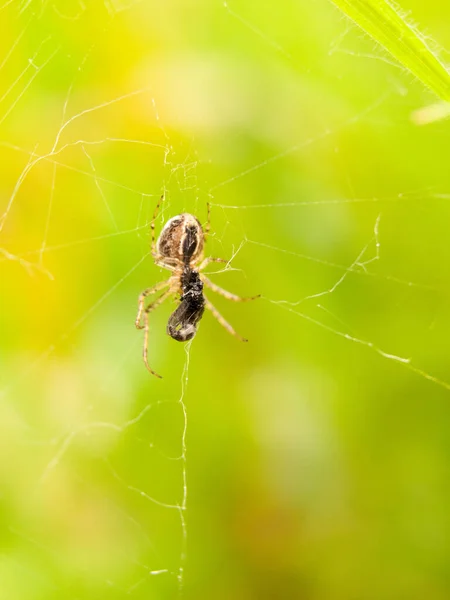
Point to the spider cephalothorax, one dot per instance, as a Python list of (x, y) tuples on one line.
[(179, 249)]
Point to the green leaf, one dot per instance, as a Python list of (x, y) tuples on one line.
[(386, 25)]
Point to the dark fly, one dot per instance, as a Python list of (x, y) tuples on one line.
[(183, 322)]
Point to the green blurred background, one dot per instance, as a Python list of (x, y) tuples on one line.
[(316, 460)]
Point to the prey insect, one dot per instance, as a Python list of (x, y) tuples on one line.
[(180, 249)]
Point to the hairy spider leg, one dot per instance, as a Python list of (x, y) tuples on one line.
[(210, 259), (149, 309), (228, 295), (221, 320), (208, 221), (148, 292), (152, 224)]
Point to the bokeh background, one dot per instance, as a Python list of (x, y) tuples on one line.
[(316, 457)]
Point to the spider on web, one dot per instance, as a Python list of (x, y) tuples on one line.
[(180, 249)]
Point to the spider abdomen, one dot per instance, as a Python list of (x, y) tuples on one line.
[(181, 240)]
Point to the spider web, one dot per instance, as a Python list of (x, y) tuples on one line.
[(99, 455)]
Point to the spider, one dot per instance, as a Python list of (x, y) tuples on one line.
[(179, 249)]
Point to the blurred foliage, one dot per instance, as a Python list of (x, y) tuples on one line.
[(317, 455), (388, 26)]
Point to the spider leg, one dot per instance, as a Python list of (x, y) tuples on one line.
[(152, 224), (210, 259), (208, 221), (228, 295), (151, 290), (222, 321), (149, 309), (164, 262)]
